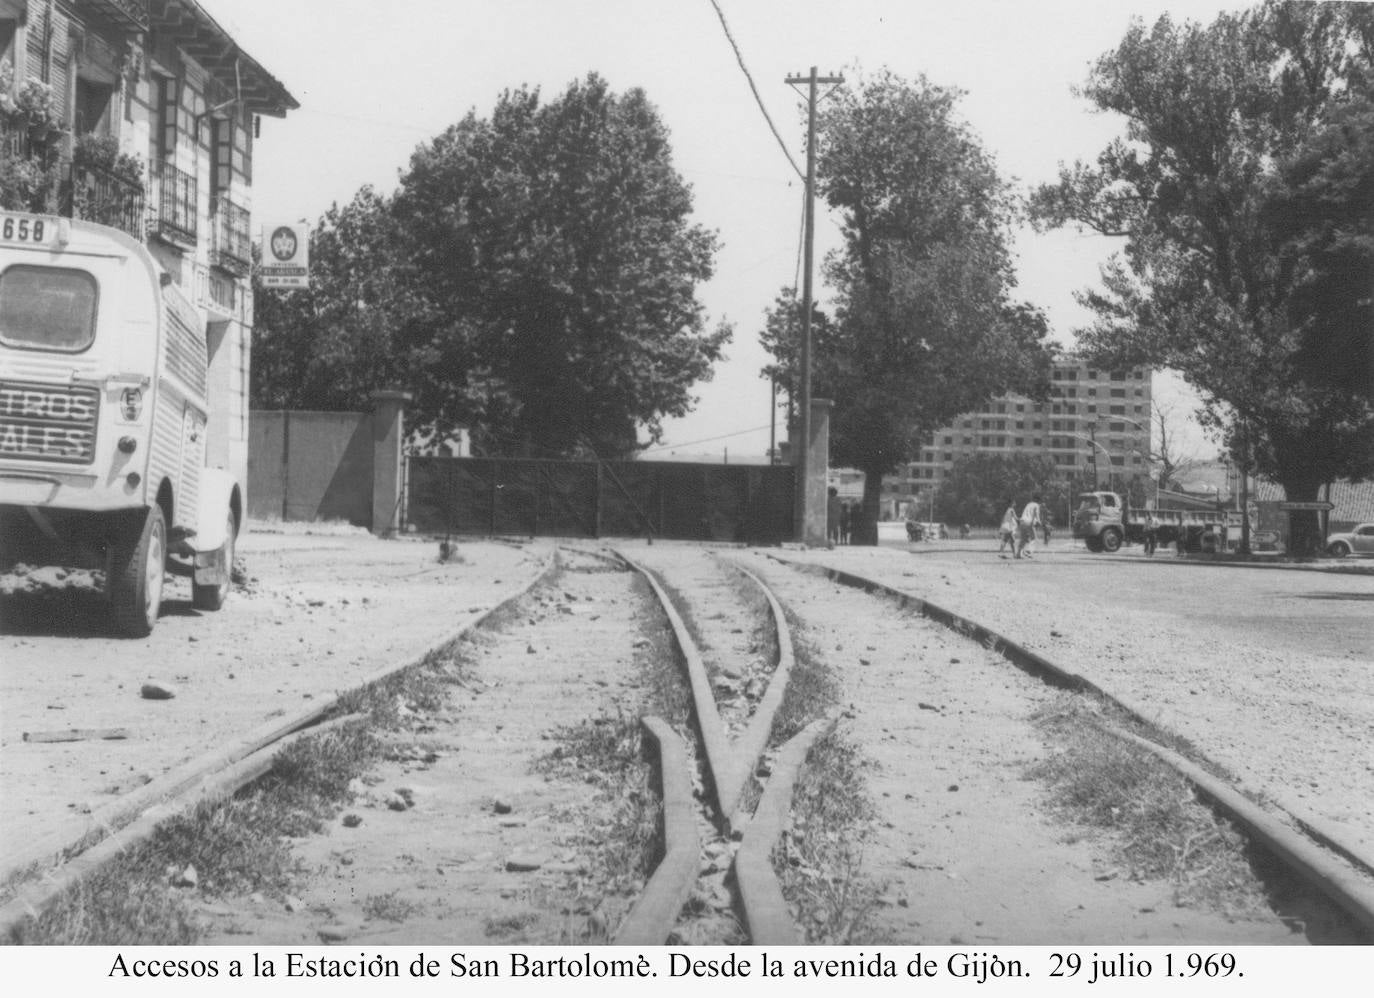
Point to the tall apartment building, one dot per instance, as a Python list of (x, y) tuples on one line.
[(141, 114), (1095, 420)]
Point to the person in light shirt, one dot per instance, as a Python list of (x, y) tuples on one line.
[(1006, 531), (1030, 523)]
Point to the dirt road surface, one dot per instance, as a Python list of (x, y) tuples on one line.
[(321, 613), (1267, 671)]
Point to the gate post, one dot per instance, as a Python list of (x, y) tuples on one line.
[(388, 439), (812, 492)]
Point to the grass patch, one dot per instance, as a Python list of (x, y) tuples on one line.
[(820, 858), (624, 838), (763, 635), (812, 689), (242, 844), (388, 907), (1160, 829), (659, 660)]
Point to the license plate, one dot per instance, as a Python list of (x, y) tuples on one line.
[(27, 230)]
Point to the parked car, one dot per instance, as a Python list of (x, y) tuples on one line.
[(926, 531), (1357, 541)]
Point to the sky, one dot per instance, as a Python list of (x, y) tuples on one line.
[(374, 81)]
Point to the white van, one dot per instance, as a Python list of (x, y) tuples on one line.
[(103, 419)]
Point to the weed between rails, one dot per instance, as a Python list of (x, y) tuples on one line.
[(621, 831), (1161, 830), (241, 844), (819, 859)]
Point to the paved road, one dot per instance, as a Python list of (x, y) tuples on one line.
[(1328, 611), (1269, 671)]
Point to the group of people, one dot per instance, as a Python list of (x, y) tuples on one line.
[(842, 519), (1017, 530)]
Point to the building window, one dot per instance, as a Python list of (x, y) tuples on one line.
[(1118, 410), (93, 102), (1118, 375)]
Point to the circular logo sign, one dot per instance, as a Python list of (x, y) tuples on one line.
[(284, 243)]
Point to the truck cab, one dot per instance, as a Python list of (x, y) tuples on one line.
[(104, 418), (1099, 521)]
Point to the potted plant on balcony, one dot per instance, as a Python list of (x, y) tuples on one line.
[(29, 175), (101, 152), (106, 185)]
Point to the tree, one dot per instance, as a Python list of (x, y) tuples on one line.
[(558, 234), (924, 325), (327, 347), (979, 487), (1168, 455), (532, 279), (1243, 192)]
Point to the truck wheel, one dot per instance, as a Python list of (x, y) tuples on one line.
[(1111, 540), (213, 597), (140, 560), (1093, 544)]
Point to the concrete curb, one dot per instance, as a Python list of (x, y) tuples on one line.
[(725, 777), (187, 784), (655, 913), (1312, 865), (1292, 846), (750, 745), (765, 911)]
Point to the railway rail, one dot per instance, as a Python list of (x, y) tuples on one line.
[(724, 776)]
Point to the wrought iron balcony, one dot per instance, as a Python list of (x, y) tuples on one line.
[(131, 13), (231, 246), (175, 194), (97, 195)]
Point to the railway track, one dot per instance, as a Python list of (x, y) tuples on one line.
[(724, 767)]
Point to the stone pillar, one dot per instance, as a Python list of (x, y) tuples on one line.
[(814, 493), (388, 440)]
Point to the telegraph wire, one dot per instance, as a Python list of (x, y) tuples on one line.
[(739, 57)]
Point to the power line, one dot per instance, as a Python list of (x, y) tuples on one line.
[(707, 440), (759, 100)]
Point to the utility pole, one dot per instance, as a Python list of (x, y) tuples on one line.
[(812, 81)]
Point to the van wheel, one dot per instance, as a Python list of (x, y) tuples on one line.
[(213, 597), (1111, 540), (136, 573)]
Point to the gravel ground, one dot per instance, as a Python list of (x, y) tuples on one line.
[(492, 850), (320, 614), (963, 850), (1266, 671)]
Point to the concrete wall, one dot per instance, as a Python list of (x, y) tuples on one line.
[(328, 465)]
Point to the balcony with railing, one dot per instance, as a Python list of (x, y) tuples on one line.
[(231, 237), (128, 13), (101, 195), (174, 205)]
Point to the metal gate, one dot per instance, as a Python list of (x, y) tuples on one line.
[(515, 496)]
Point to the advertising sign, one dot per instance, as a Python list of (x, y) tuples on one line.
[(286, 255)]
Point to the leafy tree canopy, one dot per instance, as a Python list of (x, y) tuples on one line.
[(533, 278), (924, 326), (1244, 189)]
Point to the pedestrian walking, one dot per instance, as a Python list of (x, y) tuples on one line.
[(832, 516), (1030, 523), (846, 522), (1006, 531), (1151, 533), (1045, 530)]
